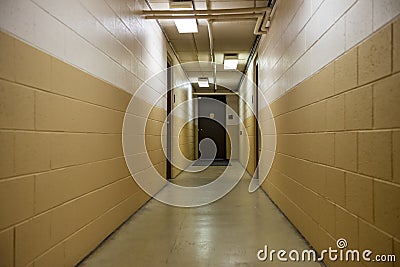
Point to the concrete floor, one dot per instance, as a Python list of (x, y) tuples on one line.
[(228, 232)]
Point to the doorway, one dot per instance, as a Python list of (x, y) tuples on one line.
[(169, 120), (212, 123), (257, 137)]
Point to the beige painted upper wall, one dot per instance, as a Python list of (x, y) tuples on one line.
[(306, 35), (96, 36)]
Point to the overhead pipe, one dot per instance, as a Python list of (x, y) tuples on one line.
[(211, 39), (272, 3), (165, 35), (214, 94), (204, 12), (213, 17), (194, 38), (212, 54), (258, 25), (262, 14), (168, 41), (262, 23), (261, 26)]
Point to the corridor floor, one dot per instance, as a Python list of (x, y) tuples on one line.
[(228, 232)]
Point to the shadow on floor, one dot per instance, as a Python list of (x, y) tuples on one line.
[(227, 232)]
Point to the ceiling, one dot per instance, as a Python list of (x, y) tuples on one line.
[(229, 36)]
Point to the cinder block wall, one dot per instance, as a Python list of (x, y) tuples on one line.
[(232, 128), (247, 155), (64, 184), (183, 131), (153, 141), (336, 173), (249, 126)]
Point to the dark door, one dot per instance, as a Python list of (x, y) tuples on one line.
[(169, 120), (212, 122), (256, 130)]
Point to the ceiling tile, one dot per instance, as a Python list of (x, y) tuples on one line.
[(192, 66), (184, 45), (188, 56)]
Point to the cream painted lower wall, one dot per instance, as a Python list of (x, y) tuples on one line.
[(333, 87), (232, 127), (183, 129), (62, 166), (247, 128), (335, 173), (64, 184)]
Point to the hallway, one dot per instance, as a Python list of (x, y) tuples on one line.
[(199, 133), (228, 232)]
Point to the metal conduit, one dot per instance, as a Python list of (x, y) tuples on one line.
[(205, 12), (211, 39), (261, 14), (213, 17)]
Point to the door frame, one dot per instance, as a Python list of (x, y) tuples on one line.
[(256, 127), (169, 119)]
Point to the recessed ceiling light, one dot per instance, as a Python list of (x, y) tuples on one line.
[(182, 5), (231, 61), (186, 25), (230, 64), (203, 82)]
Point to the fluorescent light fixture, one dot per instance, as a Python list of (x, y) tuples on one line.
[(203, 82), (231, 61), (230, 64), (182, 5), (186, 25)]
